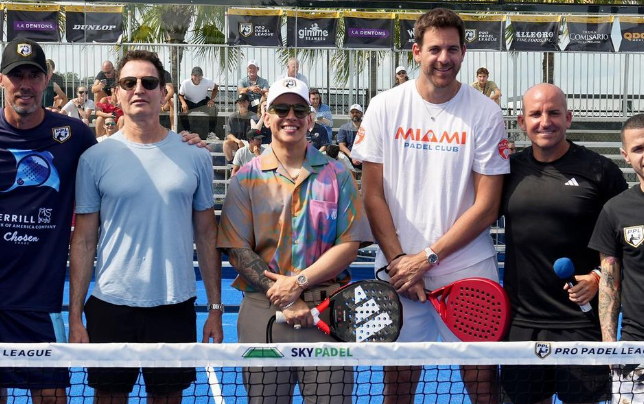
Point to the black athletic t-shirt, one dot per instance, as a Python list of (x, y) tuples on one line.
[(109, 82), (619, 232), (37, 182), (550, 211)]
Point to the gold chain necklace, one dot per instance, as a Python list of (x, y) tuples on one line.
[(432, 116), (292, 176)]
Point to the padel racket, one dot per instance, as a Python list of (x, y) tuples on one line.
[(363, 311), (474, 309)]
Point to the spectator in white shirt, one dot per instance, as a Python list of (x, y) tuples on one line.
[(80, 107)]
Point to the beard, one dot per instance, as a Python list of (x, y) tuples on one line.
[(356, 119), (25, 110)]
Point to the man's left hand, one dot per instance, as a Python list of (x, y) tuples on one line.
[(284, 291), (192, 138), (212, 329), (584, 291), (407, 271)]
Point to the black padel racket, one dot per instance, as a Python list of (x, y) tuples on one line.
[(363, 311), (474, 309)]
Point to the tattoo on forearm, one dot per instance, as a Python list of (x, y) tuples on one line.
[(609, 296), (251, 267)]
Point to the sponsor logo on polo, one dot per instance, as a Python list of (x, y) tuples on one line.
[(634, 235)]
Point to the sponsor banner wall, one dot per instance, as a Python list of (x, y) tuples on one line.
[(255, 27), (93, 24), (485, 32), (38, 23), (535, 33), (368, 30), (632, 29), (311, 30), (406, 24), (590, 34)]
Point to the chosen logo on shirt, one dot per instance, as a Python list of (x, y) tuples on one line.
[(417, 138), (634, 235), (61, 134)]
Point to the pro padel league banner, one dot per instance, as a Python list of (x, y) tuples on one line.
[(38, 23), (486, 32), (632, 34), (590, 34), (535, 33), (94, 24), (311, 30), (406, 22), (368, 30), (254, 27)]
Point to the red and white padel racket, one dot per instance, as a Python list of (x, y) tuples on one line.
[(363, 311)]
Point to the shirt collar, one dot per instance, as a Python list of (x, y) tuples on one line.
[(313, 161)]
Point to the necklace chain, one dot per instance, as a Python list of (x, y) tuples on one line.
[(292, 176)]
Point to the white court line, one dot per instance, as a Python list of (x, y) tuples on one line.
[(215, 386)]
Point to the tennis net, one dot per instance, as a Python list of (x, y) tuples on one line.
[(343, 373)]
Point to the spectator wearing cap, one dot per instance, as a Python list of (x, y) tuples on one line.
[(323, 116), (195, 92), (253, 85), (487, 87), (348, 131), (401, 75), (238, 126), (293, 71), (317, 135), (247, 153)]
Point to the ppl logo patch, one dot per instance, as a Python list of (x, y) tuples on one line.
[(359, 136), (504, 149)]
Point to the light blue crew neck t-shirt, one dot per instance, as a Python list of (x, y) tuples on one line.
[(146, 194)]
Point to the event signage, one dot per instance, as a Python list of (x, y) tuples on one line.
[(255, 27), (590, 34), (38, 23), (368, 30), (311, 30), (485, 32), (535, 33), (406, 22), (632, 29), (93, 24)]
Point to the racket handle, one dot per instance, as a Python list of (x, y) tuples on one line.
[(279, 317)]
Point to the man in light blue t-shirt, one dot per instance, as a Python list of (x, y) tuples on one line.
[(150, 195)]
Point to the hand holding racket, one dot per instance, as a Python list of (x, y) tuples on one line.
[(364, 311)]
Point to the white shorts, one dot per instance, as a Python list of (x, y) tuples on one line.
[(421, 322)]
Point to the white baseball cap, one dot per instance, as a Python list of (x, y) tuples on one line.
[(252, 62), (288, 85), (400, 69), (356, 106)]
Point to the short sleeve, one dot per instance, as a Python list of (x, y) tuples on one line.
[(88, 198), (342, 136), (202, 197), (613, 181), (352, 224), (237, 159), (368, 145), (182, 88), (605, 238), (488, 135), (236, 223)]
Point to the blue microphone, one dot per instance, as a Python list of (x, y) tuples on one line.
[(566, 270)]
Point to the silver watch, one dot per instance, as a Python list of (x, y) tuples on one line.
[(302, 281), (216, 306), (432, 257)]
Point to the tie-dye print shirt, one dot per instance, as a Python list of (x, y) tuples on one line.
[(290, 224)]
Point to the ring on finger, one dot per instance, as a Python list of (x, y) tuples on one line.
[(297, 326)]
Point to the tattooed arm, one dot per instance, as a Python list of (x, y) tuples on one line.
[(609, 296), (251, 267)]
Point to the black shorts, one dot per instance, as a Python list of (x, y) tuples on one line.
[(572, 384), (173, 323), (32, 326)]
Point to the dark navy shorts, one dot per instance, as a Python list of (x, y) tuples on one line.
[(32, 326)]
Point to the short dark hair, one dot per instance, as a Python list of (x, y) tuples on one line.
[(634, 122), (144, 55), (315, 91), (332, 151), (482, 70), (438, 18)]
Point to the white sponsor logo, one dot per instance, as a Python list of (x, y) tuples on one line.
[(634, 235), (366, 311), (44, 215), (20, 238), (95, 27), (62, 134), (572, 183), (313, 33), (542, 349)]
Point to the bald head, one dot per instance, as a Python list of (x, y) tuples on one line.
[(544, 91)]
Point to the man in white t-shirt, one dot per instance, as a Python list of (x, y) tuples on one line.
[(80, 107), (432, 182), (195, 92)]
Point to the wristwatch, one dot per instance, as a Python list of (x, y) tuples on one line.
[(216, 306), (432, 258), (302, 281)]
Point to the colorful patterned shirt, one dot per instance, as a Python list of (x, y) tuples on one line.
[(290, 224)]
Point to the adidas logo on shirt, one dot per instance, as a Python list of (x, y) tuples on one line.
[(573, 183)]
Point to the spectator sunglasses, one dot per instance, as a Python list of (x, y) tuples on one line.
[(148, 82), (282, 110)]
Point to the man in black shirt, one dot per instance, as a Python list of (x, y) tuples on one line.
[(551, 200), (104, 81), (317, 134), (619, 238), (237, 127)]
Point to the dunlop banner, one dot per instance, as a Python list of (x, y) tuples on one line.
[(94, 24), (632, 34), (311, 29), (535, 33), (590, 34), (255, 27), (485, 32), (38, 23), (368, 30)]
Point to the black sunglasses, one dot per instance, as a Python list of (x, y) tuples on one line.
[(148, 82), (282, 110), (110, 124), (82, 92), (402, 72)]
